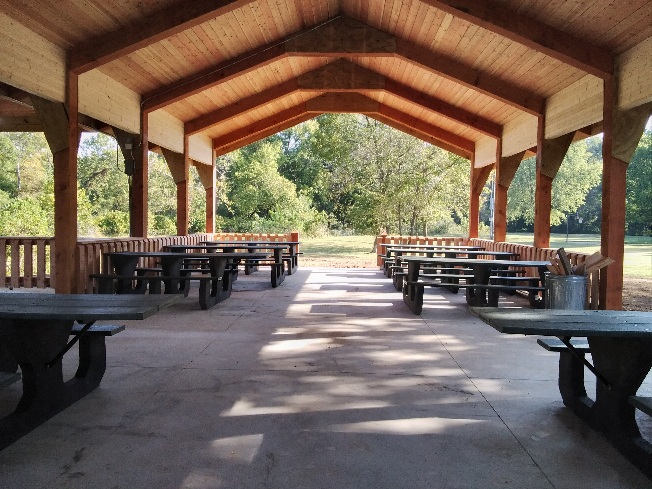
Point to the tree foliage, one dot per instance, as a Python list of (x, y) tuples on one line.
[(579, 172), (639, 188)]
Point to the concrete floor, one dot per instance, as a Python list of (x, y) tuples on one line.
[(327, 381)]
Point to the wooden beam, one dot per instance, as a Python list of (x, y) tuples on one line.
[(341, 75), (168, 22), (236, 140), (500, 200), (532, 33), (223, 114), (207, 177), (507, 167), (478, 177), (348, 38), (139, 189), (418, 134), (622, 132), (343, 103), (464, 145), (64, 155), (54, 121), (259, 126), (212, 77), (457, 114), (550, 154), (20, 124), (471, 78), (553, 153)]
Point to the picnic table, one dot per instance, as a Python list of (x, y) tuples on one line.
[(281, 256), (479, 291), (213, 275), (399, 249), (620, 344), (450, 253), (34, 333)]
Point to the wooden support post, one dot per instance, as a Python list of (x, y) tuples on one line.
[(622, 132), (550, 154), (62, 133), (178, 165), (138, 210), (478, 179), (505, 171), (207, 176)]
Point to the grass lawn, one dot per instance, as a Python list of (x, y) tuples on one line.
[(356, 251)]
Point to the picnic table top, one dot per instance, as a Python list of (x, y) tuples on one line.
[(248, 243), (460, 251), (434, 247), (177, 254), (558, 322), (82, 307), (475, 261)]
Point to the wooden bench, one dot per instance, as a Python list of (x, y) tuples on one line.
[(92, 350), (581, 345), (643, 404)]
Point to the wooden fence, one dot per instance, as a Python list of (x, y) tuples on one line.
[(28, 262)]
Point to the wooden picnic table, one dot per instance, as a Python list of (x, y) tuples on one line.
[(291, 256), (449, 253), (34, 334), (479, 292), (621, 350), (250, 260), (214, 277)]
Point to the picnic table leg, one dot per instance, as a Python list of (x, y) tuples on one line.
[(478, 297), (412, 292), (44, 393), (624, 363), (278, 268)]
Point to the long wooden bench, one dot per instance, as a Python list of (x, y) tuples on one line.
[(92, 349)]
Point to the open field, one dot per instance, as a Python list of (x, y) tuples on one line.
[(357, 252)]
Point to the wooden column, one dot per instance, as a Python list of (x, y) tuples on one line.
[(550, 154), (622, 132), (478, 179), (138, 192), (207, 177), (179, 168), (60, 125), (505, 172)]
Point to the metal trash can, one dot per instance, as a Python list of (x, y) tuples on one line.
[(565, 291)]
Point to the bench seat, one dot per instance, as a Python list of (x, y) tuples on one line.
[(581, 345), (643, 404), (99, 329)]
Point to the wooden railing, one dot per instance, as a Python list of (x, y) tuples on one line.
[(525, 252), (387, 239), (28, 262)]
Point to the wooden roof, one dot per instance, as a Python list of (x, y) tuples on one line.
[(458, 73)]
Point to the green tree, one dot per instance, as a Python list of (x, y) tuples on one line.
[(639, 189), (579, 172)]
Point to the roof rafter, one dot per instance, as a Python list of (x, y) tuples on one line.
[(532, 33), (345, 37), (339, 76), (344, 102), (148, 30)]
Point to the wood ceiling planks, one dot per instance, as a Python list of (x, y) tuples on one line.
[(487, 57)]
